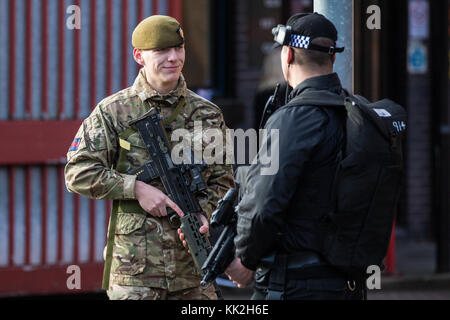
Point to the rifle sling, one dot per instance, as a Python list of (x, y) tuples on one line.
[(175, 113), (109, 245)]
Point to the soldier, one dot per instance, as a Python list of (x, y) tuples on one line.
[(148, 259)]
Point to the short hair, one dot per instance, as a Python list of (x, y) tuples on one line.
[(315, 58)]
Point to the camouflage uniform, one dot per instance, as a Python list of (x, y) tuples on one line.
[(147, 251), (144, 293)]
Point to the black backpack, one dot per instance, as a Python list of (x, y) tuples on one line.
[(367, 183)]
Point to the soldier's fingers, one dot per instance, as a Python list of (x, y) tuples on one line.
[(154, 212), (186, 245), (205, 225), (163, 211), (174, 206), (158, 211)]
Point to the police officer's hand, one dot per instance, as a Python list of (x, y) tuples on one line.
[(239, 274), (203, 229), (154, 201)]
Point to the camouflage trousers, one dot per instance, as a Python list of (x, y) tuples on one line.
[(117, 292)]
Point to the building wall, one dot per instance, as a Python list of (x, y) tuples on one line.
[(51, 78)]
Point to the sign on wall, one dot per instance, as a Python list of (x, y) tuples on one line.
[(419, 19), (417, 58)]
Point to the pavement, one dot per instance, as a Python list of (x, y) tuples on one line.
[(415, 276)]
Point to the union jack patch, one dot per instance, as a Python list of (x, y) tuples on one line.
[(75, 144)]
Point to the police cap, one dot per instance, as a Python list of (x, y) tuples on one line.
[(302, 28)]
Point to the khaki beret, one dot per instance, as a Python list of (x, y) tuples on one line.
[(157, 32)]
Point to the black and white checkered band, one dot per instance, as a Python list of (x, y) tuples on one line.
[(299, 41)]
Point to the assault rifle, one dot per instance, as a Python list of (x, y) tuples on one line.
[(223, 252), (181, 182)]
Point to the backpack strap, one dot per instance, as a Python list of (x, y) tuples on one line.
[(320, 98), (327, 100)]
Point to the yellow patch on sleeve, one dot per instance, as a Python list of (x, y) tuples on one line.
[(124, 144)]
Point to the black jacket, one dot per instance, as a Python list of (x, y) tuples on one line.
[(280, 212)]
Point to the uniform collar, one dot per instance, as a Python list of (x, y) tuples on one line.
[(328, 82), (146, 92)]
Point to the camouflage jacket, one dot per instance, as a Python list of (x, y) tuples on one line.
[(147, 251)]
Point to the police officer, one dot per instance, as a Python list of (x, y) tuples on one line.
[(278, 234), (148, 259)]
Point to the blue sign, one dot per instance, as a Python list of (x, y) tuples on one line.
[(417, 58)]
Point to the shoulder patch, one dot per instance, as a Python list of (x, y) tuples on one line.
[(75, 144)]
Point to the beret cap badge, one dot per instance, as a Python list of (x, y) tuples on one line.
[(180, 32)]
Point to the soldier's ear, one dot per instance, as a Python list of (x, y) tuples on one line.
[(138, 57)]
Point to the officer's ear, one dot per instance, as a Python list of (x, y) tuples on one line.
[(333, 58), (287, 55), (291, 55), (137, 55)]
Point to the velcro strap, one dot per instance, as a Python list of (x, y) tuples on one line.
[(124, 148), (125, 134)]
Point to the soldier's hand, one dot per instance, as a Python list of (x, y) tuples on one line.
[(203, 229), (154, 201)]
